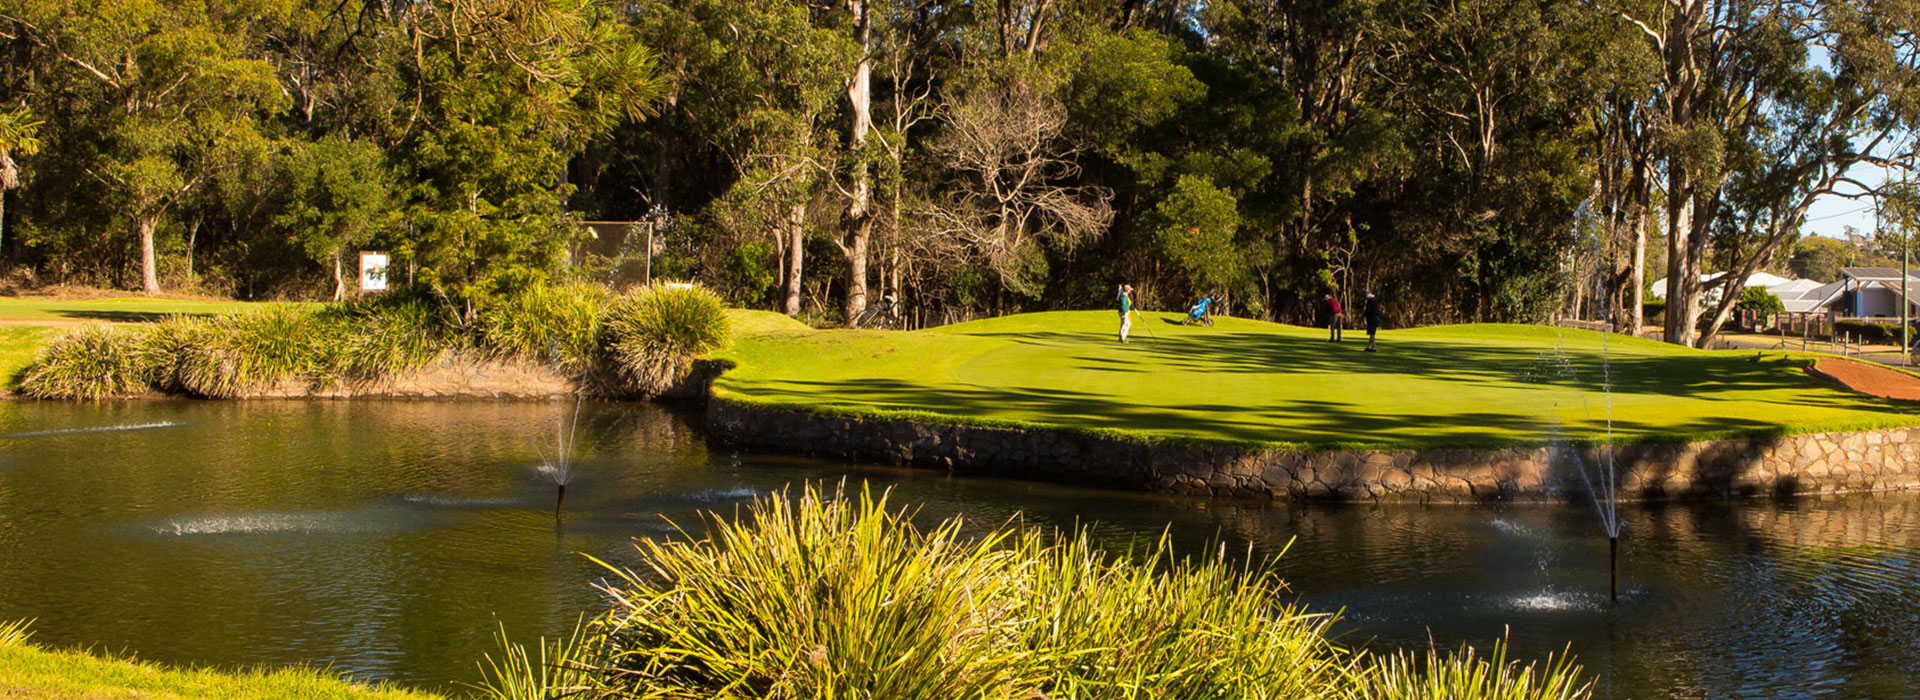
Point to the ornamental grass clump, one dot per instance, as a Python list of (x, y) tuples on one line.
[(651, 336), (828, 595), (243, 354), (91, 362), (823, 597), (543, 323), (1465, 675), (382, 337)]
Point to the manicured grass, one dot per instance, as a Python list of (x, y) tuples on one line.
[(28, 673), (27, 323), (124, 309), (1248, 382), (18, 345)]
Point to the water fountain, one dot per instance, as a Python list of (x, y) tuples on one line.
[(559, 469)]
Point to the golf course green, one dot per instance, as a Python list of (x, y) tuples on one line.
[(1264, 384)]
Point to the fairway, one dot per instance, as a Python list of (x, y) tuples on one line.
[(1250, 382), (58, 310)]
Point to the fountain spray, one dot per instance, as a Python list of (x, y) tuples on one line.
[(560, 469)]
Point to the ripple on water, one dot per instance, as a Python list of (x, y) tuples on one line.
[(355, 522), (443, 500), (93, 429)]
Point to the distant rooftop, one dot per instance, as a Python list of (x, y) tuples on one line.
[(1873, 273)]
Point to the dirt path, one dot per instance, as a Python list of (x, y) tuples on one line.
[(1870, 379)]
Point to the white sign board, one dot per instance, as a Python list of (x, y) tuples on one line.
[(373, 272)]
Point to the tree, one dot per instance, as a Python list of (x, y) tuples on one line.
[(335, 194), (168, 84), (20, 134), (1809, 123), (1013, 173), (1819, 258), (1194, 227)]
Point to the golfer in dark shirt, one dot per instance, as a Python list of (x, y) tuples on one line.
[(1372, 312)]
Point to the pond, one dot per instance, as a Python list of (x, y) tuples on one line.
[(388, 539)]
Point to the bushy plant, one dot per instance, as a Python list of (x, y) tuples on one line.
[(241, 354), (91, 362), (651, 336), (543, 323), (382, 337), (834, 596), (1465, 675)]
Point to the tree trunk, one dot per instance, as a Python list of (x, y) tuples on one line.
[(860, 206), (1638, 275), (1683, 280), (796, 254), (1682, 85), (339, 281), (149, 265)]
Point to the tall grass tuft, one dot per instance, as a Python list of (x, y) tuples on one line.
[(15, 633), (383, 337), (91, 362), (554, 670), (833, 596), (651, 336), (1464, 675), (242, 354), (822, 598), (544, 323), (1169, 627)]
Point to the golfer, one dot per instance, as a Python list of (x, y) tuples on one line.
[(1126, 311), (1372, 312), (1336, 317)]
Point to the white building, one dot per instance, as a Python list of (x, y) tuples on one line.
[(1799, 296), (1870, 292)]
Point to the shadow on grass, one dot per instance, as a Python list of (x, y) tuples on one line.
[(1696, 376), (125, 316)]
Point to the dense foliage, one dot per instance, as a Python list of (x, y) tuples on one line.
[(821, 595), (1477, 160)]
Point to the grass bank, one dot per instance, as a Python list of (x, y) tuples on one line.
[(27, 324), (637, 343), (31, 673), (1255, 383)]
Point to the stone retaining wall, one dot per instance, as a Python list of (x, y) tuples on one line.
[(1883, 460)]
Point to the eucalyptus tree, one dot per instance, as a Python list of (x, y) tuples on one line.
[(159, 89), (1755, 126), (1818, 118)]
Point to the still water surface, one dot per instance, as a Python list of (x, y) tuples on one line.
[(387, 539)]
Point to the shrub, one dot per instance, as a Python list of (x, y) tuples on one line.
[(91, 362), (241, 354), (822, 596), (1466, 676), (651, 336), (544, 323), (1867, 331), (383, 336), (1760, 301)]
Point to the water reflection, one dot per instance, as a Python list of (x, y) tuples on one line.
[(385, 539)]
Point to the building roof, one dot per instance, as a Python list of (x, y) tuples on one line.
[(1872, 273), (1771, 282)]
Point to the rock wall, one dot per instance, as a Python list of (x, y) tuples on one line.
[(1884, 460)]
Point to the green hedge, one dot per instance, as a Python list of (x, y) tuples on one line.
[(1868, 332)]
